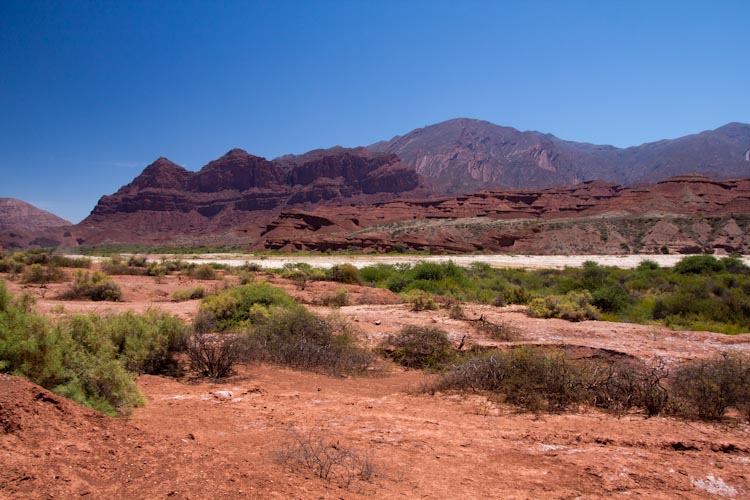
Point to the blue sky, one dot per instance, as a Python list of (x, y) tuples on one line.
[(92, 92)]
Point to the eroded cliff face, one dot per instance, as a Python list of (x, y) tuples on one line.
[(686, 214)]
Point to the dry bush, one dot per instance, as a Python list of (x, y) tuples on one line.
[(623, 384), (456, 311), (325, 457), (339, 298), (420, 347), (706, 389), (532, 378), (502, 331), (214, 355), (296, 337)]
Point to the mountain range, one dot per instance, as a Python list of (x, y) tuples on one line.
[(457, 165)]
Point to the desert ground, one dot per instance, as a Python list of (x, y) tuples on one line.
[(198, 438)]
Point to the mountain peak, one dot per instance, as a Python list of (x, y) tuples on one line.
[(18, 214)]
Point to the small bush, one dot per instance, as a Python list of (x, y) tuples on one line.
[(339, 298), (502, 331), (203, 272), (344, 273), (622, 384), (137, 261), (189, 294), (705, 389), (235, 308), (515, 295), (296, 337), (529, 377), (326, 458), (419, 300), (419, 347), (145, 343), (11, 266), (573, 306), (96, 286), (214, 355), (456, 311), (36, 273)]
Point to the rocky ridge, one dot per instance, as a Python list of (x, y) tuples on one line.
[(466, 155)]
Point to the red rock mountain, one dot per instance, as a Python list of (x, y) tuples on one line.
[(466, 155), (170, 204)]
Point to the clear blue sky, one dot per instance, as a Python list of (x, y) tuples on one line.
[(92, 92)]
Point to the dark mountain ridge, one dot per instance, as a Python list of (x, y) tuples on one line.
[(465, 154)]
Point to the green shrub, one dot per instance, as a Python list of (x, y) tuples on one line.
[(115, 266), (573, 306), (611, 298), (419, 300), (74, 358), (698, 264), (189, 294), (144, 342), (419, 347), (96, 286), (235, 308), (344, 273), (515, 295), (36, 273), (295, 337)]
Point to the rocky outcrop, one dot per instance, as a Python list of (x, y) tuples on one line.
[(465, 155), (686, 214)]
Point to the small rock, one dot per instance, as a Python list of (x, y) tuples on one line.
[(222, 395), (377, 321)]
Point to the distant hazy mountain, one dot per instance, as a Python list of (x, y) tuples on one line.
[(17, 214), (465, 154)]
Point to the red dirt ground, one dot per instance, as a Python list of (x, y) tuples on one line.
[(188, 443)]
